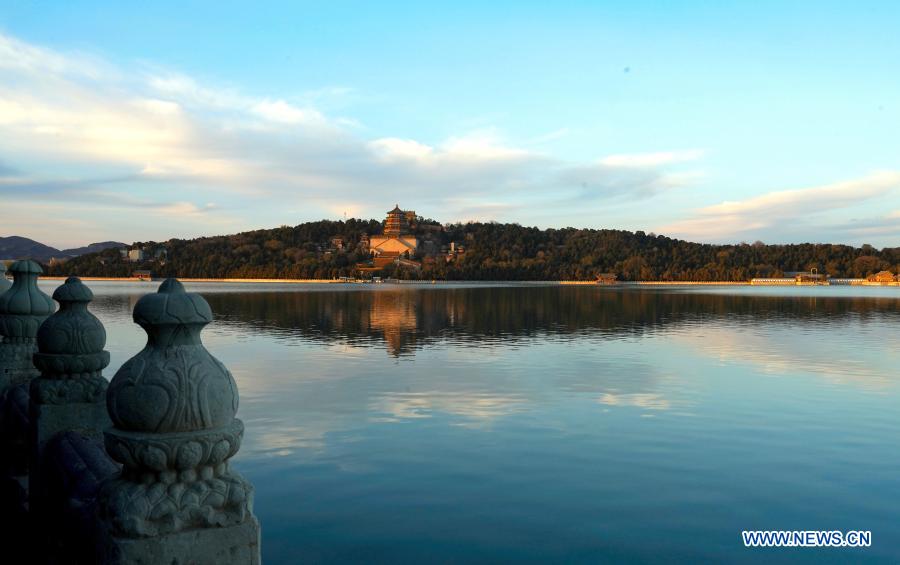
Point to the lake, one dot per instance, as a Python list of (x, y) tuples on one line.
[(529, 423)]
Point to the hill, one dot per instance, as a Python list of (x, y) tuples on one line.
[(16, 247), (493, 251), (93, 248)]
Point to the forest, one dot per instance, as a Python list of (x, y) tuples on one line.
[(493, 251)]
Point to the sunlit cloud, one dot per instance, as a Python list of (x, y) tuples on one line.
[(16, 55), (780, 210), (186, 209), (392, 148), (483, 145), (173, 142), (281, 111)]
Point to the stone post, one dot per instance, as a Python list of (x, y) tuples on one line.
[(4, 282), (70, 394), (22, 310), (172, 405)]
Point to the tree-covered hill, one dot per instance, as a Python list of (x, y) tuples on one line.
[(492, 252)]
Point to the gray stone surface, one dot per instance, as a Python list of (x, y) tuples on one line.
[(172, 406), (209, 546), (76, 467), (70, 393), (23, 308), (4, 282), (14, 425)]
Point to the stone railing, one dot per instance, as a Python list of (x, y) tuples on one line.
[(135, 470)]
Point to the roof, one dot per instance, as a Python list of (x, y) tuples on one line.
[(396, 209)]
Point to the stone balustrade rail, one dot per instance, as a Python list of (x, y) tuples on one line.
[(131, 471)]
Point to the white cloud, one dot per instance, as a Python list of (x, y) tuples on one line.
[(186, 89), (482, 145), (165, 140), (780, 209), (282, 112), (789, 203), (188, 209), (390, 148), (17, 55), (161, 107)]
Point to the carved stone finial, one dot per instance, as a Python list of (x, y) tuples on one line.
[(4, 282), (174, 384), (173, 407), (70, 348), (23, 307), (70, 392)]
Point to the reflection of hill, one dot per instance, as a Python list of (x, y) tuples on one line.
[(408, 318)]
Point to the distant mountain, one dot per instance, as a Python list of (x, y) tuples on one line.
[(93, 248), (16, 247)]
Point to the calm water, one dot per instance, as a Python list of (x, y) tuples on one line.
[(557, 424)]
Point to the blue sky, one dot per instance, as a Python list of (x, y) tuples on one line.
[(720, 122)]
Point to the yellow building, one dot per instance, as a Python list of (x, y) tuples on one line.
[(396, 241)]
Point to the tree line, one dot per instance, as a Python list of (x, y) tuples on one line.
[(493, 251)]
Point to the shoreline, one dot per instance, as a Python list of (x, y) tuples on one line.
[(425, 282), (339, 281)]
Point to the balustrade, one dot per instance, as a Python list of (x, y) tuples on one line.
[(131, 471)]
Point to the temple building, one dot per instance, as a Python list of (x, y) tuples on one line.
[(396, 244)]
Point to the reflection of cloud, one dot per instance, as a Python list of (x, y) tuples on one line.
[(470, 405), (648, 401), (787, 351), (280, 440)]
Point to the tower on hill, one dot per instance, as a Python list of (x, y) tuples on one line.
[(396, 244), (396, 223)]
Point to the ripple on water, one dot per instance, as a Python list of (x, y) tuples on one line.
[(531, 423)]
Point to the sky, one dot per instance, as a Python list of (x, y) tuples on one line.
[(708, 121)]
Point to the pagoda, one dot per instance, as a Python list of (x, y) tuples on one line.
[(396, 223), (396, 244)]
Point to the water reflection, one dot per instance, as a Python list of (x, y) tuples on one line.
[(405, 320), (548, 424)]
